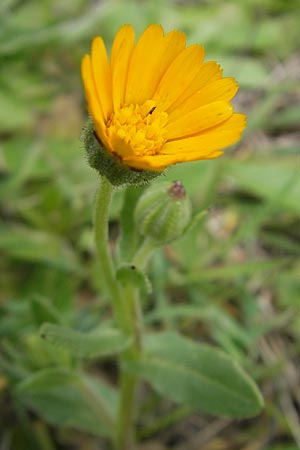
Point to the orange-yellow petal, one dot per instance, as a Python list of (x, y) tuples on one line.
[(92, 98), (165, 53), (102, 76), (151, 57), (199, 119), (174, 43), (121, 53), (223, 89), (211, 140), (142, 64), (160, 162), (208, 73), (178, 76)]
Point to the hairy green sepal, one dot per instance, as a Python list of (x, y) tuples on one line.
[(109, 165)]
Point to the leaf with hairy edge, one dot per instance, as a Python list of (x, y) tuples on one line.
[(85, 345)]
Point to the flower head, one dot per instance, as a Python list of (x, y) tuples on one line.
[(156, 102)]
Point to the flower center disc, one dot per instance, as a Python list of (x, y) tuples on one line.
[(137, 130)]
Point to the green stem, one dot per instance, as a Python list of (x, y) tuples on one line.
[(144, 252), (124, 304), (101, 219), (125, 433), (127, 412)]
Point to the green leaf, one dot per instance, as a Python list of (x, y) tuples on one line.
[(66, 399), (274, 180), (129, 273), (198, 376), (226, 272), (41, 354), (43, 311), (86, 345), (47, 378), (196, 220), (38, 247), (211, 315)]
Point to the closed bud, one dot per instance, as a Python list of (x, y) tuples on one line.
[(163, 212)]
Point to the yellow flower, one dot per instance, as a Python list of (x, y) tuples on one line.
[(156, 103)]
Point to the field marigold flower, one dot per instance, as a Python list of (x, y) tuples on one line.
[(156, 102)]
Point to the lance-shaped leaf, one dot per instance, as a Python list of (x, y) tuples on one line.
[(68, 399), (47, 378), (44, 311), (39, 247), (198, 376), (86, 345)]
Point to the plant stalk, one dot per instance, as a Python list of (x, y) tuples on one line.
[(144, 252), (101, 220), (126, 304)]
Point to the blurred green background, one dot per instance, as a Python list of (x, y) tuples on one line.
[(234, 281)]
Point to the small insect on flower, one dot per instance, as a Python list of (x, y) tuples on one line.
[(152, 110), (156, 102)]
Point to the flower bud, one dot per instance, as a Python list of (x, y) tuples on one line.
[(110, 165), (163, 212)]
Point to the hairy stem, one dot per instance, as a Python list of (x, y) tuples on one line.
[(125, 300), (101, 219)]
